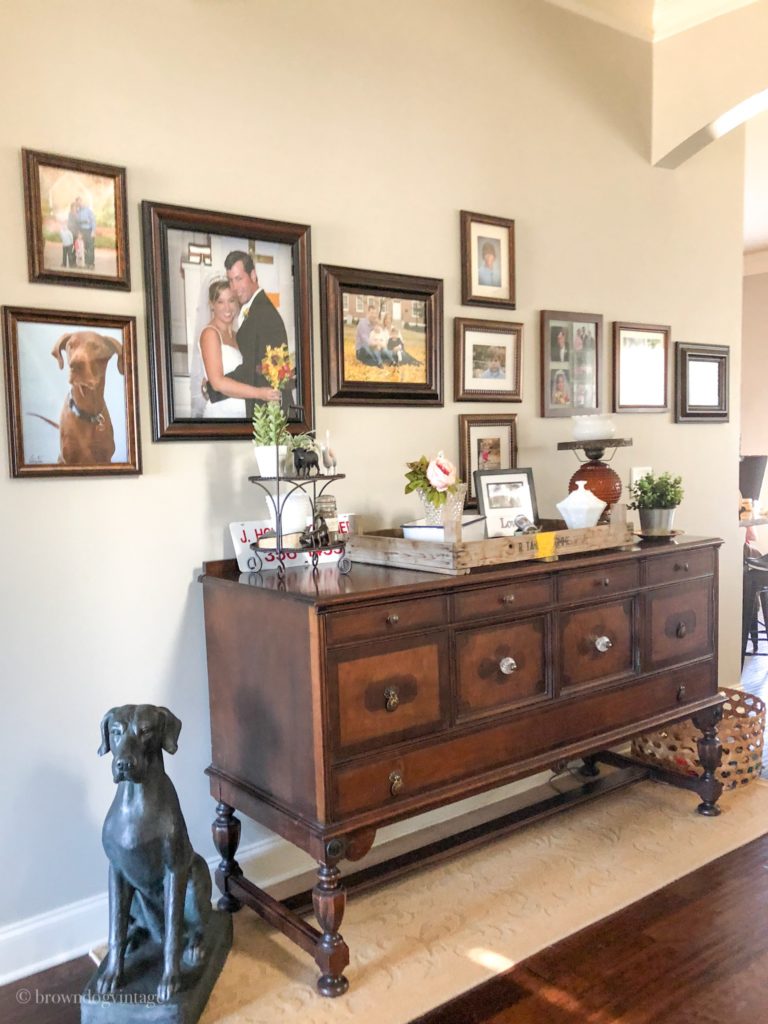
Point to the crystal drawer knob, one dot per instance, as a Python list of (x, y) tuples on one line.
[(681, 630), (393, 619), (391, 698), (395, 783), (508, 666), (681, 567), (603, 643), (508, 599)]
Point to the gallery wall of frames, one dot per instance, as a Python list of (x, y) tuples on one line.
[(229, 324)]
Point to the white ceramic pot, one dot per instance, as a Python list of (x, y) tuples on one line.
[(581, 508), (268, 457), (591, 428), (295, 510)]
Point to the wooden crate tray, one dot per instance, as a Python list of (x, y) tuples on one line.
[(389, 547)]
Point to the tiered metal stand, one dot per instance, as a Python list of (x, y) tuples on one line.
[(315, 541)]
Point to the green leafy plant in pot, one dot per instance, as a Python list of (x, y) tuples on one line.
[(656, 498), (271, 437)]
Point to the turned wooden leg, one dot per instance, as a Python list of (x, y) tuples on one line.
[(226, 838), (710, 752), (332, 952)]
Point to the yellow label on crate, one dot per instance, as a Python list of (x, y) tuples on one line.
[(545, 545)]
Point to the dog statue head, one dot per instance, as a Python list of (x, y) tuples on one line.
[(136, 735)]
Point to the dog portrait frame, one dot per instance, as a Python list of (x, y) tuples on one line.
[(487, 261), (184, 253), (83, 246), (640, 358), (487, 361), (363, 373), (502, 495), (486, 443), (42, 393), (570, 362), (701, 383)]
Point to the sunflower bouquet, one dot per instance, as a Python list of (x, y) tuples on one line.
[(277, 367)]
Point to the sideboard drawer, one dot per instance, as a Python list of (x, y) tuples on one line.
[(386, 692), (599, 583), (385, 781), (502, 599), (679, 566), (598, 644), (501, 667), (680, 620), (388, 619)]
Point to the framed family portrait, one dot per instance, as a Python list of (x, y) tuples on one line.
[(487, 260), (570, 363), (487, 361), (640, 353), (71, 393), (486, 443), (77, 225), (229, 320), (701, 386), (503, 495), (382, 338)]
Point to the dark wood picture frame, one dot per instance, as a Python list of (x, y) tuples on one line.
[(347, 380), (700, 397), (498, 242), (476, 341), (54, 261), (646, 370), (204, 236), (493, 427), (52, 431), (570, 362), (499, 522)]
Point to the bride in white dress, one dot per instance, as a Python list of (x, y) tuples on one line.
[(218, 347)]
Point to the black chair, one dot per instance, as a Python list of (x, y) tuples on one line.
[(755, 587)]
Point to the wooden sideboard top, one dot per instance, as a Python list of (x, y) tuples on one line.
[(327, 586)]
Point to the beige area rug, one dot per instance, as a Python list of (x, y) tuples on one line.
[(441, 930)]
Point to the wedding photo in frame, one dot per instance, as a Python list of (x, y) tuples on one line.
[(570, 363), (381, 338), (486, 443), (701, 383), (77, 226), (228, 297), (502, 495), (487, 360), (640, 358), (71, 392), (487, 260)]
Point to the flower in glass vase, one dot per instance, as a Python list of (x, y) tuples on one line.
[(436, 482)]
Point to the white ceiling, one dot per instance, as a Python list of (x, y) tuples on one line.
[(654, 20)]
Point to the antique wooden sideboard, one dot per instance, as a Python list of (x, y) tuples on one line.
[(343, 703)]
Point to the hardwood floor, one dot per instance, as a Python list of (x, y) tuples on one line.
[(50, 997)]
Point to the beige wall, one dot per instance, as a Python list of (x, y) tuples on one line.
[(516, 109), (754, 412)]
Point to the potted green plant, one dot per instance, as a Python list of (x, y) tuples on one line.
[(656, 498), (271, 437)]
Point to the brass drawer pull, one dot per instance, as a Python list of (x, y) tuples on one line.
[(395, 783), (391, 698), (508, 599), (393, 619), (508, 666), (681, 630), (681, 693), (681, 567), (603, 643)]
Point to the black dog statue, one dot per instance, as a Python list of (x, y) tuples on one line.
[(159, 888), (304, 461)]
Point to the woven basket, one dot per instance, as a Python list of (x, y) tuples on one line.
[(740, 733)]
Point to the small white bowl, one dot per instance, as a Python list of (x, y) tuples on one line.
[(592, 428)]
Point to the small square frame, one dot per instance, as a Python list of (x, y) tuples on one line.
[(501, 455), (701, 383), (475, 343), (496, 489)]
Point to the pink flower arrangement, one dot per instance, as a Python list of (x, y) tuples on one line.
[(436, 478)]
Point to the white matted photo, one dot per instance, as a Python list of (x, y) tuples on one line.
[(504, 495), (640, 353), (487, 260), (487, 360)]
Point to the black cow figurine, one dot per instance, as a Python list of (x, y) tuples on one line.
[(304, 461)]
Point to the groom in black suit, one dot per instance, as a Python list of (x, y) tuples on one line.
[(260, 325)]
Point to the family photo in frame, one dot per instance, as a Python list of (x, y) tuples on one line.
[(72, 394), (487, 260), (229, 321), (486, 443), (487, 360), (77, 227), (570, 363)]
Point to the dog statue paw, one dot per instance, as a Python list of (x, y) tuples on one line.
[(110, 980), (170, 984)]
